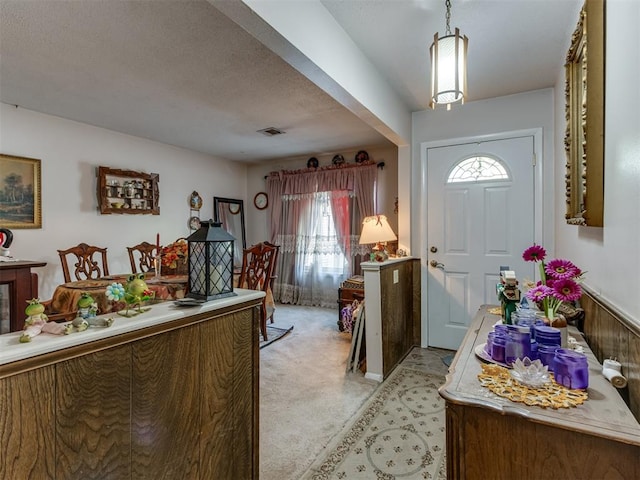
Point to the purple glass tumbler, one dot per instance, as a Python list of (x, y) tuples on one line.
[(571, 369), (518, 345)]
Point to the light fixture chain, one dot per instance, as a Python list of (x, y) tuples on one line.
[(448, 16)]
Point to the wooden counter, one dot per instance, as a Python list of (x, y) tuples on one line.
[(491, 437), (171, 393)]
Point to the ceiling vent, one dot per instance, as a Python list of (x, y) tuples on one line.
[(271, 131)]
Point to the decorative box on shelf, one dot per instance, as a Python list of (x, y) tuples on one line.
[(127, 191)]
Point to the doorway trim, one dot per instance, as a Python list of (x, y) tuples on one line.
[(538, 203)]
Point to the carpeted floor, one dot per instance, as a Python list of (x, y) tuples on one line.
[(307, 402)]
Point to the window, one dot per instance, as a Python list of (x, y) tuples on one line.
[(323, 252), (476, 169)]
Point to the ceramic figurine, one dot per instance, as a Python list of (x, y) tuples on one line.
[(87, 311), (136, 292), (508, 294), (37, 322), (6, 238), (195, 202)]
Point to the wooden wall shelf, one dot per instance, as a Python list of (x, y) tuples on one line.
[(127, 191)]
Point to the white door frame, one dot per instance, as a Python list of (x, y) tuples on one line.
[(423, 212)]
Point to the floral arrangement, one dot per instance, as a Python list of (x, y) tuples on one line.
[(174, 252), (559, 281)]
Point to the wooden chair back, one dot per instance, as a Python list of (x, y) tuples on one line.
[(273, 275), (145, 253), (258, 263), (90, 262)]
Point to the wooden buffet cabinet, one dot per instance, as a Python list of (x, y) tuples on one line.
[(18, 285), (172, 396), (489, 437)]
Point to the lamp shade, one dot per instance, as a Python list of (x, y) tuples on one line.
[(448, 69), (210, 262), (376, 229)]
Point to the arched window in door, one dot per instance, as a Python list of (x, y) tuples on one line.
[(478, 169)]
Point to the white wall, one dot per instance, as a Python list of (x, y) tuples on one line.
[(70, 153), (257, 220), (610, 255)]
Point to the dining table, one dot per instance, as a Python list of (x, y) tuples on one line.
[(65, 297)]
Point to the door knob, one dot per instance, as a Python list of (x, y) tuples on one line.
[(436, 264)]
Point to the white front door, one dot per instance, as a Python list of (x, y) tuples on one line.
[(480, 216)]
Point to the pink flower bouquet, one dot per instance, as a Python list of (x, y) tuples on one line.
[(559, 281)]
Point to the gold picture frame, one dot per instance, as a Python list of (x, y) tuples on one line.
[(584, 136), (20, 192)]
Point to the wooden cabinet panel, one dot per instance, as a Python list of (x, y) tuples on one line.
[(547, 452), (26, 414), (93, 432), (229, 397), (177, 400), (165, 414), (399, 330)]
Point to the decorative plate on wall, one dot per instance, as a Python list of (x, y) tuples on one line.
[(312, 162), (338, 159), (194, 223), (362, 156), (261, 201)]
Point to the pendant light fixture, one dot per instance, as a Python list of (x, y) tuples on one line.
[(448, 66)]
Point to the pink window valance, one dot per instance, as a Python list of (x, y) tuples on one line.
[(357, 179), (350, 178)]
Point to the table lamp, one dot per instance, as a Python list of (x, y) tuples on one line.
[(376, 229)]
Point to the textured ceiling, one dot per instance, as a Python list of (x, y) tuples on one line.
[(181, 72)]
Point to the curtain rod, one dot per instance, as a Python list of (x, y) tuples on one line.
[(276, 173)]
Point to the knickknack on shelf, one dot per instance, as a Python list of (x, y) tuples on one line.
[(126, 191)]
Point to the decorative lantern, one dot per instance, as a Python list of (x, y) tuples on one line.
[(210, 262)]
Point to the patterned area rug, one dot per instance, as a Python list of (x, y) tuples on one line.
[(398, 434)]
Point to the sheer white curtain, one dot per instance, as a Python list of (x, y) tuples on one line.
[(313, 219), (320, 260)]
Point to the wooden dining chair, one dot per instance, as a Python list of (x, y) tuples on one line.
[(272, 278), (90, 262), (258, 263), (141, 256)]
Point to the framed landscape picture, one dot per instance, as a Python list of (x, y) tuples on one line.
[(20, 202)]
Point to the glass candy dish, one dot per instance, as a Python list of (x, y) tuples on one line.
[(530, 373)]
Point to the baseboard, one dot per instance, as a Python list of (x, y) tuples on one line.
[(374, 376)]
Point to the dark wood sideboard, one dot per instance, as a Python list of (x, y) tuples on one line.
[(174, 400), (22, 285), (491, 437)]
